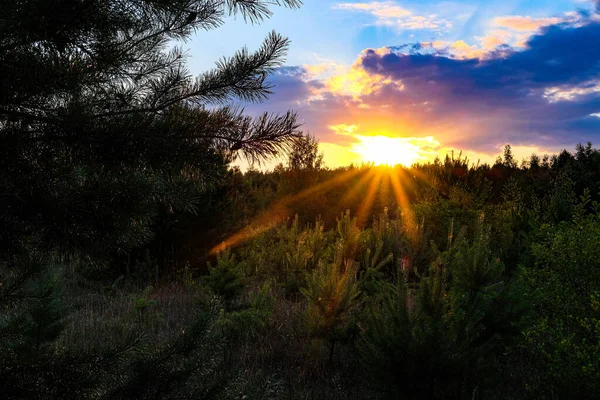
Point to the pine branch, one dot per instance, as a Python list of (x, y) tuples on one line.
[(255, 11)]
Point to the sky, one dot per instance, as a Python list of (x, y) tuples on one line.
[(418, 79)]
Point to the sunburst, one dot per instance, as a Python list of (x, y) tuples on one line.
[(383, 150), (375, 178)]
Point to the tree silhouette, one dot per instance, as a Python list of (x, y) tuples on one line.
[(101, 121), (102, 130)]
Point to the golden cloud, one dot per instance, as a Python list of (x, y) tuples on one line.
[(523, 23)]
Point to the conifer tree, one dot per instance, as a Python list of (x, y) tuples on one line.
[(304, 155), (102, 124), (102, 129), (226, 278), (438, 339), (332, 294)]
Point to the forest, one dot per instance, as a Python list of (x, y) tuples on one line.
[(137, 262)]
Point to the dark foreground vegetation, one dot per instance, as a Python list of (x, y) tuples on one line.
[(134, 263)]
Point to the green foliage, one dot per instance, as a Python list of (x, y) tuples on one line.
[(186, 276), (33, 325), (105, 139), (561, 200), (130, 363), (403, 345), (248, 322), (184, 365), (144, 302), (442, 337), (348, 243), (508, 159), (304, 155), (315, 244), (565, 282), (371, 266), (226, 278), (332, 293), (332, 290), (112, 289), (287, 253), (418, 252)]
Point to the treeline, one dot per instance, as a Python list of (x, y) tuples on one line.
[(303, 187)]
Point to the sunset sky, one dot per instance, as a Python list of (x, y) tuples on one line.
[(431, 75)]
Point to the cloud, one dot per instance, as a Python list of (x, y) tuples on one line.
[(343, 129), (558, 55), (543, 97), (514, 89), (380, 10), (390, 14), (495, 39), (521, 23)]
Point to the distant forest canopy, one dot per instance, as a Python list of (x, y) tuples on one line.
[(303, 187)]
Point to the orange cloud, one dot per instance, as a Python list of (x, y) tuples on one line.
[(343, 129), (495, 39), (522, 23), (355, 81), (458, 49), (463, 95)]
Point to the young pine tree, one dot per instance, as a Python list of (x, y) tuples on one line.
[(226, 279), (442, 338), (332, 293)]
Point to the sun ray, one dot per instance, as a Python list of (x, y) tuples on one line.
[(401, 197), (421, 177), (385, 186), (357, 188), (278, 211), (399, 178), (366, 206)]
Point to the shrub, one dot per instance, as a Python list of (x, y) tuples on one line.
[(226, 278)]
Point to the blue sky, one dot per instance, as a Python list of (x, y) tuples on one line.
[(433, 75)]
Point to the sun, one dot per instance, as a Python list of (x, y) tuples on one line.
[(384, 150)]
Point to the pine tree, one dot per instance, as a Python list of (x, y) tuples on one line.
[(102, 124), (509, 160), (304, 155), (103, 129), (226, 278), (438, 339), (332, 294), (348, 243)]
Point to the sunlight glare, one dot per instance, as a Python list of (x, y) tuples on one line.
[(383, 150)]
